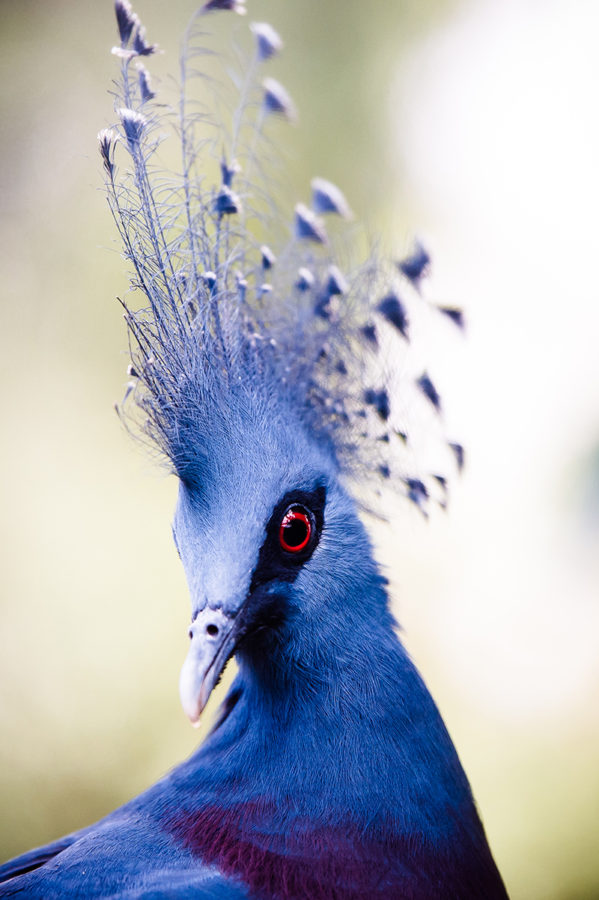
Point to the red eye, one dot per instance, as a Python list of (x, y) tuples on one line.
[(295, 530)]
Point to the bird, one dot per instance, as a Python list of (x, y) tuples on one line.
[(263, 374)]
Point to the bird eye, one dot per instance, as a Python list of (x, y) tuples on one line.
[(295, 529)]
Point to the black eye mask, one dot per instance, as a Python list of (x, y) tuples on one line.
[(299, 514)]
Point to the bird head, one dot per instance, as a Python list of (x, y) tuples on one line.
[(271, 544), (263, 372)]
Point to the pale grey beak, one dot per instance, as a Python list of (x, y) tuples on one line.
[(213, 639)]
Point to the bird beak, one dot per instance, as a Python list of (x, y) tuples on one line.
[(213, 638)]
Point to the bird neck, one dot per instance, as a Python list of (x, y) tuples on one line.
[(349, 727), (351, 782)]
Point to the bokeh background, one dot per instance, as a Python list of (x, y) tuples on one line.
[(472, 123)]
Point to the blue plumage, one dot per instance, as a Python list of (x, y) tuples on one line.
[(329, 773)]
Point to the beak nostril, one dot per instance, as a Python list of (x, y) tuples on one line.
[(212, 630)]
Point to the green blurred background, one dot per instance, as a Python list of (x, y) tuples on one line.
[(473, 124)]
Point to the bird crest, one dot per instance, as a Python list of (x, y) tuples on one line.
[(252, 307)]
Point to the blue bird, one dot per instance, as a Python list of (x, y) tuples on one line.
[(263, 378)]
